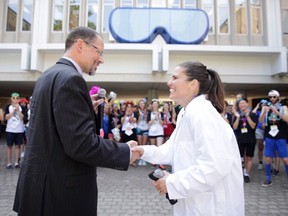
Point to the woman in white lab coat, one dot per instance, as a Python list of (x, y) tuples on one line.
[(206, 176)]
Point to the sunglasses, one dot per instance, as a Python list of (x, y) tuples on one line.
[(15, 98), (272, 96)]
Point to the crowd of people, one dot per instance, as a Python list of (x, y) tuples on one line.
[(147, 123), (264, 127)]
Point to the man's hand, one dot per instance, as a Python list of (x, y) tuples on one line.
[(137, 152), (96, 102), (135, 155), (132, 143)]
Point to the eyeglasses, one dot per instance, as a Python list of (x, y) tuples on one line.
[(96, 48), (272, 96), (15, 98)]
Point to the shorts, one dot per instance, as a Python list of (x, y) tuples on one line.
[(141, 132), (259, 134), (249, 147), (14, 138), (154, 137), (273, 145)]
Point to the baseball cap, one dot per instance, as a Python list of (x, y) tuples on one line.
[(15, 94), (263, 101), (274, 93)]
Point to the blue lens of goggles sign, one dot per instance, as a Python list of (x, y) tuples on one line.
[(142, 25)]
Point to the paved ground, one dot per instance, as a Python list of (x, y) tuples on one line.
[(130, 193)]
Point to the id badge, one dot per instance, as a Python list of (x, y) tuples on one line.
[(244, 130), (273, 130)]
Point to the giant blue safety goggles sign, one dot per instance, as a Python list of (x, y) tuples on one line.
[(142, 25)]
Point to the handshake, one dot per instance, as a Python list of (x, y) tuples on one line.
[(137, 151)]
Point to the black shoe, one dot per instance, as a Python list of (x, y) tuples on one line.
[(275, 172), (267, 184), (246, 179), (9, 166)]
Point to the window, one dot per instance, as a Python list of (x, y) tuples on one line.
[(58, 15), (241, 16), (223, 16), (142, 3), (92, 13), (108, 6), (27, 15), (285, 21), (158, 3), (12, 11), (74, 14), (126, 3), (208, 7), (190, 4), (256, 16), (174, 4)]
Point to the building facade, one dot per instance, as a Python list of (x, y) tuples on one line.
[(246, 44)]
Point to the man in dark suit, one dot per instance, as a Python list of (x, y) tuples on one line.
[(58, 174)]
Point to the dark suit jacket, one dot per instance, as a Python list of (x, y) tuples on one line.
[(58, 174)]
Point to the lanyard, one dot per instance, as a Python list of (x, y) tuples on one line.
[(244, 120)]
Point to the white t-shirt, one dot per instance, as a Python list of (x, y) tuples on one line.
[(14, 124), (156, 129)]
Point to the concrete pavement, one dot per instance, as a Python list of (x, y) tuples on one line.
[(130, 193)]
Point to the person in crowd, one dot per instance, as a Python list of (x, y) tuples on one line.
[(24, 106), (28, 118), (123, 106), (94, 90), (174, 113), (1, 119), (106, 122), (155, 122), (135, 108), (177, 108), (168, 115), (129, 125), (238, 98), (14, 130), (235, 109), (227, 114), (115, 122), (275, 117), (207, 175), (149, 107), (58, 174), (142, 126), (244, 124), (259, 133)]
